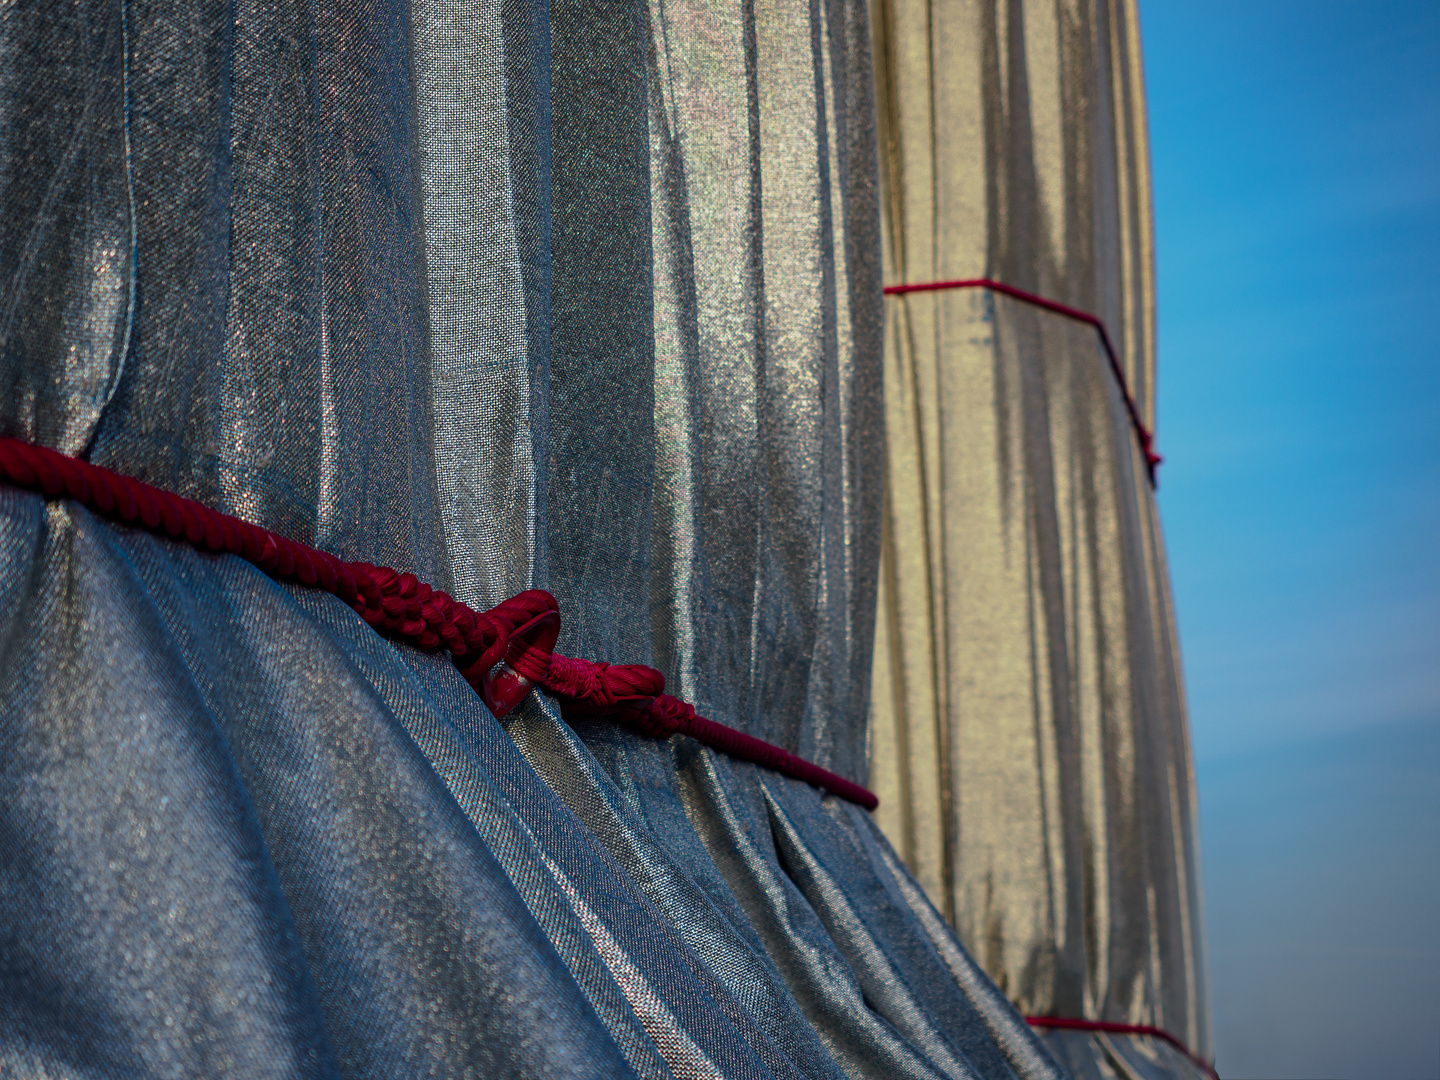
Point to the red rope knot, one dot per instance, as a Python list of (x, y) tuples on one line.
[(1152, 459), (665, 717), (579, 679), (522, 652), (366, 601), (533, 624), (623, 692)]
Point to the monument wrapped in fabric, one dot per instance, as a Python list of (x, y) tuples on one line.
[(584, 297), (1030, 746), (503, 296)]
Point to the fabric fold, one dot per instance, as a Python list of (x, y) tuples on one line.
[(263, 879), (1029, 741)]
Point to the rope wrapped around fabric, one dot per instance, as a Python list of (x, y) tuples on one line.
[(503, 653), (1142, 433), (1108, 1027)]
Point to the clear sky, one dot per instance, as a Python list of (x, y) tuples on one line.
[(1296, 152)]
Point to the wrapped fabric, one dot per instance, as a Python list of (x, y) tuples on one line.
[(502, 295), (1030, 746)]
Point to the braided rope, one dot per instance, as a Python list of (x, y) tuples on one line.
[(405, 608), (633, 695)]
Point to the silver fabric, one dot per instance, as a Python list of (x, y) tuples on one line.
[(731, 541), (213, 869), (725, 153), (481, 148), (504, 295), (66, 250), (277, 365)]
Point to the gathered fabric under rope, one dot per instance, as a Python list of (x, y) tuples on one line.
[(1143, 433), (1108, 1027), (503, 653)]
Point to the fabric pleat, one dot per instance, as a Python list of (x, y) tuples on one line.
[(1029, 742), (66, 238), (715, 456), (715, 502)]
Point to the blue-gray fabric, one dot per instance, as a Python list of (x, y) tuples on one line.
[(1100, 1056), (583, 297)]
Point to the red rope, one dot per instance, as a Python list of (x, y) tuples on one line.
[(1123, 1029), (633, 695), (502, 652), (1146, 437)]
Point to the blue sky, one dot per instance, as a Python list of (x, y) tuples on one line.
[(1296, 152)]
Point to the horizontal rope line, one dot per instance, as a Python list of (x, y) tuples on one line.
[(1122, 1029), (1143, 433), (502, 653)]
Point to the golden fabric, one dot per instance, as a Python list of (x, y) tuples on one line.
[(1028, 740)]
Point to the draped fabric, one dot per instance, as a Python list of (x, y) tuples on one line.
[(583, 297), (1029, 743)]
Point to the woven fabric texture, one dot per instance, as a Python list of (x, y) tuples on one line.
[(1030, 746), (506, 295)]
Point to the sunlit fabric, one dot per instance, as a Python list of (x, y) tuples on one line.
[(1029, 741), (585, 297)]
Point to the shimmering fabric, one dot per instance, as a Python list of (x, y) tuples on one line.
[(382, 277), (716, 241), (1029, 745), (481, 154), (66, 241), (732, 540), (277, 365), (213, 869)]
